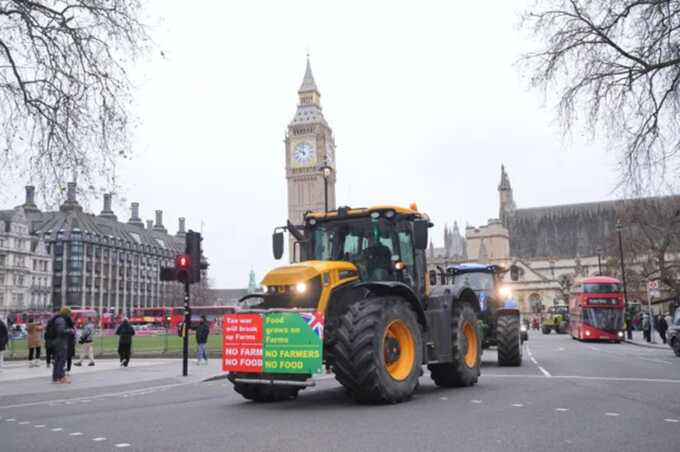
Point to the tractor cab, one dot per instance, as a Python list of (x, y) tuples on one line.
[(486, 281)]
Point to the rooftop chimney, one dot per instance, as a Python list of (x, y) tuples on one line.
[(71, 204), (159, 222), (149, 224), (134, 217), (29, 204), (107, 212), (181, 233)]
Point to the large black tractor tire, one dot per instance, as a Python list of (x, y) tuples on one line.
[(676, 347), (378, 350), (509, 338), (464, 370), (266, 393)]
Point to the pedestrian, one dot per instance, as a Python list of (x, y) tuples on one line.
[(71, 348), (662, 327), (34, 342), (85, 341), (4, 338), (58, 333), (125, 333), (646, 327), (669, 319), (202, 333)]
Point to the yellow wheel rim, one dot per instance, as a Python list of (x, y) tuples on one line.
[(470, 333), (399, 350)]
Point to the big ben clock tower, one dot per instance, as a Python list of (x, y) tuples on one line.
[(309, 146)]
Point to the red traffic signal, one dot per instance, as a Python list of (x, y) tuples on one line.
[(182, 262)]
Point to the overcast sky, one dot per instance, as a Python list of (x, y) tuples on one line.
[(423, 97)]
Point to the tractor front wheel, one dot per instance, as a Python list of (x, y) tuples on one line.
[(509, 339), (378, 351), (466, 343)]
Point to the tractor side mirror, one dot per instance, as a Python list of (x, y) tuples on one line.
[(433, 278), (420, 234), (277, 244)]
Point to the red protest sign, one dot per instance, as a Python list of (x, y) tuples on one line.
[(242, 344)]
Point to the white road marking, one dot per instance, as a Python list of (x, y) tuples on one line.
[(475, 401), (533, 360), (121, 445), (612, 414), (85, 401), (443, 398), (582, 377), (76, 434), (672, 420), (561, 349), (562, 410), (24, 423), (544, 372), (518, 405), (10, 420), (58, 429), (100, 438), (39, 426)]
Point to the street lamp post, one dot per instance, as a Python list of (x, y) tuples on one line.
[(326, 171), (629, 330), (599, 261)]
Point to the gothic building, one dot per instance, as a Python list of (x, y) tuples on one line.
[(309, 146)]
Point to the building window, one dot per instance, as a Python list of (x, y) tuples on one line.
[(76, 249), (59, 249), (2, 260)]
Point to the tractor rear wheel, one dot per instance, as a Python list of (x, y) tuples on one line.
[(266, 393), (378, 351), (466, 343), (546, 330), (509, 340)]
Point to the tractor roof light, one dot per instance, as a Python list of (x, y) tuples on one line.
[(505, 292), (301, 287)]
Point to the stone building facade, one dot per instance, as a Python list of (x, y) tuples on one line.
[(25, 265), (309, 145), (97, 262)]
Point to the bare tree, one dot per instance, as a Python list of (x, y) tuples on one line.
[(64, 90), (617, 63)]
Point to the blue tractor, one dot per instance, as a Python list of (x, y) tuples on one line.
[(500, 320)]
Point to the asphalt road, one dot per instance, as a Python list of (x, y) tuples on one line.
[(567, 395)]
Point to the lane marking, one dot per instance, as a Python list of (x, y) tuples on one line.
[(533, 360), (544, 372), (612, 414), (10, 420), (581, 377), (100, 438), (39, 426), (562, 410), (76, 434), (672, 420), (475, 401), (518, 405), (443, 398), (121, 445), (58, 429), (24, 422)]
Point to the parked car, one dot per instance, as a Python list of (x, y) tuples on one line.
[(674, 333)]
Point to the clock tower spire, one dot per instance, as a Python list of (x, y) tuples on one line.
[(309, 145)]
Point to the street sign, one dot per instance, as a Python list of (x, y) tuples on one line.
[(273, 342), (652, 285)]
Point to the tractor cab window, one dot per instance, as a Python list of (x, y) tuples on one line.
[(406, 255), (366, 242)]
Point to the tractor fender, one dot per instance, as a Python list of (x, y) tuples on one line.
[(383, 288), (508, 311)]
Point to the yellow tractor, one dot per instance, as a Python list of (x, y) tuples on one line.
[(362, 273)]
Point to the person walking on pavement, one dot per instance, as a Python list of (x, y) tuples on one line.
[(4, 338), (662, 327), (34, 341), (125, 333), (646, 327), (71, 349), (86, 343), (59, 335), (202, 333)]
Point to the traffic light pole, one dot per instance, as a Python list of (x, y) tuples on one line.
[(187, 325)]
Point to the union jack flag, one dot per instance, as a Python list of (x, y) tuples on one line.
[(315, 322)]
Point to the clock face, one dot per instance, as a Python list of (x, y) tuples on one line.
[(304, 153)]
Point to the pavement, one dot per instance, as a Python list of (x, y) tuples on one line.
[(567, 395), (657, 343)]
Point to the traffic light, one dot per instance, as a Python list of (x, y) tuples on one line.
[(195, 254)]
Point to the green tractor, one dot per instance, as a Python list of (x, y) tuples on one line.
[(557, 320)]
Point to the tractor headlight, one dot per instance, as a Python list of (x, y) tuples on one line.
[(523, 328), (505, 292), (300, 287)]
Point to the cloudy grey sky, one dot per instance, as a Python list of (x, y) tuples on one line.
[(423, 98)]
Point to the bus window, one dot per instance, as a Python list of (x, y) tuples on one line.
[(602, 288)]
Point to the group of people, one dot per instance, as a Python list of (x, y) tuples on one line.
[(60, 337), (661, 324)]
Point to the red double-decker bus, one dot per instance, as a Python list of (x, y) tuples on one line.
[(157, 316), (596, 309)]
